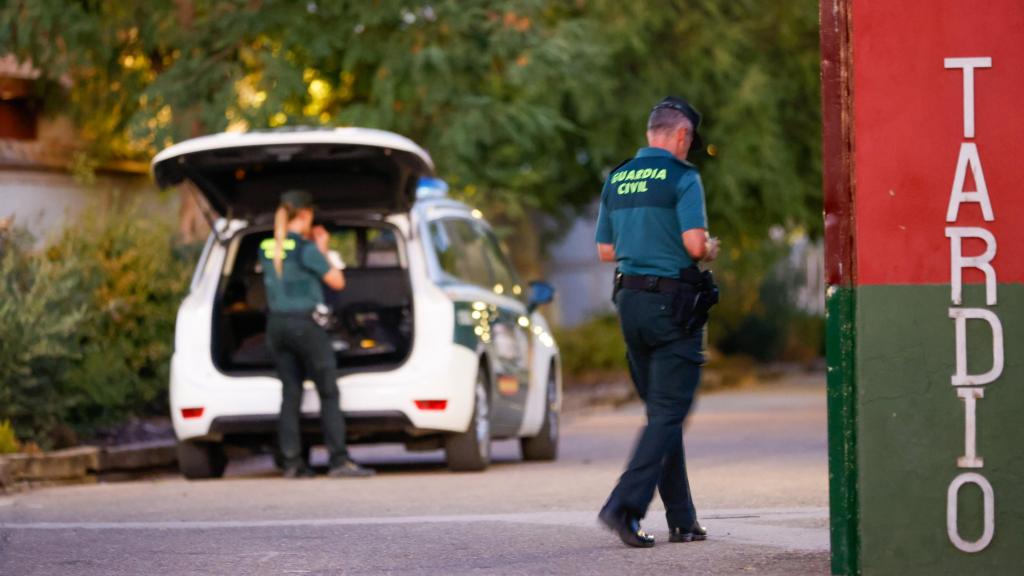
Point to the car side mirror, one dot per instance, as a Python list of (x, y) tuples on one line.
[(540, 293)]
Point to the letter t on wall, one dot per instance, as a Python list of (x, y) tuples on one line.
[(968, 65)]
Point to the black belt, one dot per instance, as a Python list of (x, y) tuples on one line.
[(292, 313), (651, 283)]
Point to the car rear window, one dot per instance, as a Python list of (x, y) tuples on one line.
[(362, 247)]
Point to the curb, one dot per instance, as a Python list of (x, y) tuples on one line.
[(83, 464), (140, 456)]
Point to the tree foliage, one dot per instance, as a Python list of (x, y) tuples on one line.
[(523, 103)]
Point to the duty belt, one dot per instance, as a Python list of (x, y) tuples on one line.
[(292, 313), (651, 283)]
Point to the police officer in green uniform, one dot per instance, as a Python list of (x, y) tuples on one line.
[(295, 266), (653, 222)]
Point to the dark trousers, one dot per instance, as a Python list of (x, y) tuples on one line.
[(665, 365), (302, 350)]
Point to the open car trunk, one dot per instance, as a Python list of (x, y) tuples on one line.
[(242, 176), (372, 319)]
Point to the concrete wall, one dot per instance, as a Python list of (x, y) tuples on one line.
[(45, 200), (36, 186), (925, 231)]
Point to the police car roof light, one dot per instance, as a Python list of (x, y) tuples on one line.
[(430, 187)]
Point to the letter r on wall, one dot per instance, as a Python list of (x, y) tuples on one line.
[(957, 261)]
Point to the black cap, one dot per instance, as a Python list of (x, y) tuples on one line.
[(297, 199), (683, 107)]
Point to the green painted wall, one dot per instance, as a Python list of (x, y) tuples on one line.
[(842, 429), (910, 431)]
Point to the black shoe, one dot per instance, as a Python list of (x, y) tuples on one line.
[(298, 472), (349, 469), (694, 533), (627, 528)]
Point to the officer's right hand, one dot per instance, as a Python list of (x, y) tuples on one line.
[(321, 237)]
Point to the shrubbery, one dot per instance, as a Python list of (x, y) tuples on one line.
[(757, 316), (40, 315), (8, 440), (87, 324), (594, 346)]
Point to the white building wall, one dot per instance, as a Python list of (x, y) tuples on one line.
[(583, 283), (44, 201)]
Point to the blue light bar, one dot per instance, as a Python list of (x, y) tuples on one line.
[(430, 187)]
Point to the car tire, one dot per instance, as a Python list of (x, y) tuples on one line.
[(544, 446), (470, 451), (201, 460)]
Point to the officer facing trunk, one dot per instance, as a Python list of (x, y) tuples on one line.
[(653, 223), (295, 264)]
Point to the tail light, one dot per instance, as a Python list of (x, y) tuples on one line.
[(431, 404), (189, 413)]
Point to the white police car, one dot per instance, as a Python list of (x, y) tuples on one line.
[(438, 341)]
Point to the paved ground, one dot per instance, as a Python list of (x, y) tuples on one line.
[(758, 469)]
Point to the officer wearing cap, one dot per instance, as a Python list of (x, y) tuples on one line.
[(295, 265), (653, 223)]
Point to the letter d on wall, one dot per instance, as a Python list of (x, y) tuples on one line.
[(960, 316)]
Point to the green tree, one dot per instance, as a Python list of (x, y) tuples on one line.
[(524, 104), (752, 70)]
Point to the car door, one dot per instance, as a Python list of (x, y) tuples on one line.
[(510, 334), (482, 284)]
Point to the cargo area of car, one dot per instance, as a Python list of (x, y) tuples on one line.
[(371, 324)]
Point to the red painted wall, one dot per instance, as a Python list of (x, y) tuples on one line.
[(908, 118)]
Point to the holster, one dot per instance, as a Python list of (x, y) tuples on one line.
[(617, 286), (692, 303), (322, 316)]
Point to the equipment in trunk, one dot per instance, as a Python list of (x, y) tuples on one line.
[(371, 324)]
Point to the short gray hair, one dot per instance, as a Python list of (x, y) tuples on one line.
[(665, 119)]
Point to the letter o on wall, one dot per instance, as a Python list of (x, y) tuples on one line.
[(989, 511)]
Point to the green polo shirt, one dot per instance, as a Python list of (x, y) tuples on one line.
[(299, 287), (646, 205)]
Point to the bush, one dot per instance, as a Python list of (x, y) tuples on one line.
[(39, 322), (8, 441), (757, 316), (132, 278), (91, 318), (594, 346)]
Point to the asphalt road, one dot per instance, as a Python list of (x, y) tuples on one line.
[(757, 467)]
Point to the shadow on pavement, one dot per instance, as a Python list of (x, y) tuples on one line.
[(385, 459)]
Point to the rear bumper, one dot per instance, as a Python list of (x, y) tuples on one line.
[(359, 426), (376, 405)]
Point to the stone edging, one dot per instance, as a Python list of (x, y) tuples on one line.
[(82, 464)]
